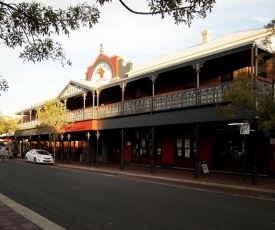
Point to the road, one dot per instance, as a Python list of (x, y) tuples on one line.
[(85, 200)]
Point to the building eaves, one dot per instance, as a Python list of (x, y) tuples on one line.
[(228, 42)]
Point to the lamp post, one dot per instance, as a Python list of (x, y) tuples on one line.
[(62, 147), (69, 148), (88, 146), (97, 147)]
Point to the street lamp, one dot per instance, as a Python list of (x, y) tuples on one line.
[(62, 147), (97, 148), (69, 148), (88, 138)]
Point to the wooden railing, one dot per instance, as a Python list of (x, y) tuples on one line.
[(176, 100)]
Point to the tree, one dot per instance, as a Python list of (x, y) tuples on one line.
[(3, 85), (31, 26), (7, 125), (252, 97), (181, 11), (267, 59), (53, 117)]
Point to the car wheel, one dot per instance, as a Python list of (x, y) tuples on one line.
[(34, 161), (26, 159)]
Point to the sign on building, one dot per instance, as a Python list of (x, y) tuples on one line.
[(245, 129)]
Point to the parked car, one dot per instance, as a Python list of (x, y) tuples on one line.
[(39, 156), (4, 152)]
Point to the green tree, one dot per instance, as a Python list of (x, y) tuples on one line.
[(252, 97), (53, 117), (7, 125)]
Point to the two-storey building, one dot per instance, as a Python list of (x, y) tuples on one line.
[(159, 113)]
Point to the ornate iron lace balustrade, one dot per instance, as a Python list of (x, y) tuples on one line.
[(175, 100)]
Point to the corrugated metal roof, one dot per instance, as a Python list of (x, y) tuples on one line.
[(218, 45)]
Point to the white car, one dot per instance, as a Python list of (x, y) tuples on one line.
[(39, 156)]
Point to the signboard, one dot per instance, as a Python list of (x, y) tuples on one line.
[(245, 129), (205, 168), (100, 158)]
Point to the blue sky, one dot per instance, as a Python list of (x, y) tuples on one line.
[(133, 37)]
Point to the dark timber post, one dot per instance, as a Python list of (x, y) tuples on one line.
[(153, 152), (244, 158), (62, 147), (69, 149), (97, 147), (197, 164), (122, 150), (153, 79), (88, 148)]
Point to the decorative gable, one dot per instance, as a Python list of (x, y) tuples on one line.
[(72, 90), (107, 68)]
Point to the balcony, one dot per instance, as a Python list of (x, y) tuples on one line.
[(181, 99)]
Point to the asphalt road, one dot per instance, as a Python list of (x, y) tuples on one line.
[(85, 200)]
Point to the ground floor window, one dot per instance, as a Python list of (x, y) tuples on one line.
[(185, 147)]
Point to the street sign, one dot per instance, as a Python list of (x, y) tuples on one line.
[(245, 129)]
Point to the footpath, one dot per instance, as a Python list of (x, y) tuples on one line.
[(15, 216)]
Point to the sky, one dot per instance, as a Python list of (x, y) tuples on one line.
[(133, 37)]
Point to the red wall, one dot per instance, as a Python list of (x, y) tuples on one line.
[(205, 151), (78, 126), (127, 151), (168, 151)]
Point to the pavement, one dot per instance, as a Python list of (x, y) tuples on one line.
[(16, 216)]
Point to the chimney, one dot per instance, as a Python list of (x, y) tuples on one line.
[(206, 36)]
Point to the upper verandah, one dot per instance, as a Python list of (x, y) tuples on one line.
[(186, 56)]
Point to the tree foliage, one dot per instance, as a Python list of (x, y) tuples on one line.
[(7, 125), (252, 97), (53, 116), (4, 86), (269, 45), (31, 26), (181, 11)]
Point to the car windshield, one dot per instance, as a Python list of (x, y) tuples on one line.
[(42, 152)]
